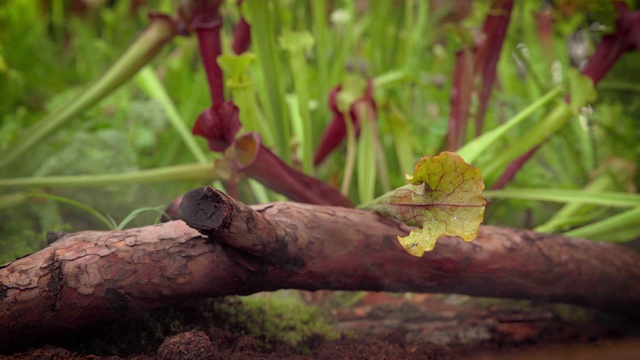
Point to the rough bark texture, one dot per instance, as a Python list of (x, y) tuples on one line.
[(89, 277)]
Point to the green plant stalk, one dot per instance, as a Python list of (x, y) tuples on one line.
[(379, 25), (581, 89), (554, 157), (263, 36), (609, 177), (196, 171), (569, 214), (351, 155), (522, 54), (606, 229), (541, 131), (579, 220), (402, 136), (301, 83), (390, 78), (617, 199), (296, 44), (366, 158), (582, 92), (320, 34), (245, 99), (415, 25), (381, 163), (135, 213), (296, 118), (236, 68), (471, 151), (622, 234), (259, 191), (153, 87), (138, 54), (346, 43), (619, 86), (581, 129)]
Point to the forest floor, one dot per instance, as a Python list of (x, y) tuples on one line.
[(377, 326)]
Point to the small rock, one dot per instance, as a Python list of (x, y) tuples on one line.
[(191, 345)]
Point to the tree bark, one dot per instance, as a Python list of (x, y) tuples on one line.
[(89, 277)]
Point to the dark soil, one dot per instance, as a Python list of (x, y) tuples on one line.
[(379, 326)]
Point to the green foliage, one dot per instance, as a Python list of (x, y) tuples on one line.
[(20, 235), (131, 152), (121, 135), (300, 52)]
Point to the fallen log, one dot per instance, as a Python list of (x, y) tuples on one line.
[(89, 277)]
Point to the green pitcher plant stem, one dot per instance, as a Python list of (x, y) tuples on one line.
[(610, 176), (242, 88), (366, 157), (263, 36), (540, 132), (617, 228), (475, 148), (198, 171), (608, 198), (348, 33), (581, 93), (402, 137), (297, 44), (321, 31), (153, 87), (300, 133), (619, 86), (390, 78)]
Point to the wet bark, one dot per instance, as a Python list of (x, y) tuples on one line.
[(89, 277)]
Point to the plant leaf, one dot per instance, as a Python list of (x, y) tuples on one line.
[(443, 197), (219, 124), (582, 91), (344, 100)]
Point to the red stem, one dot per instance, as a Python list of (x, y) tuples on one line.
[(460, 99), (264, 166), (488, 54), (513, 169), (612, 46), (336, 131), (210, 49)]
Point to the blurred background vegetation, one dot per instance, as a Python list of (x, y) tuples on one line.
[(51, 50)]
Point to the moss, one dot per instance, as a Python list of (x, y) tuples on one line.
[(278, 321)]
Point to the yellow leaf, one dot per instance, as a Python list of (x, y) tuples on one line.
[(444, 198)]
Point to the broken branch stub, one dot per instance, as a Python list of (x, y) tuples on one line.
[(215, 214)]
